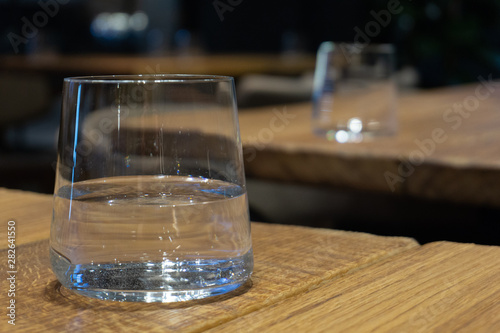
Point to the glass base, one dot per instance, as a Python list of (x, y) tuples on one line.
[(155, 296), (164, 281)]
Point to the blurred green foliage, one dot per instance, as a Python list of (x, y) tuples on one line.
[(449, 41)]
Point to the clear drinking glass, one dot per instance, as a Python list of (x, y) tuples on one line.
[(354, 95), (150, 201)]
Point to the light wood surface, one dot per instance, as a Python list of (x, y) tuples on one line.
[(289, 260), (464, 168), (439, 287), (305, 279), (225, 64)]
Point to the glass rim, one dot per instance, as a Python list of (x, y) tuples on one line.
[(149, 78)]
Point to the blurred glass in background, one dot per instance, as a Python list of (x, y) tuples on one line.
[(354, 96), (437, 43)]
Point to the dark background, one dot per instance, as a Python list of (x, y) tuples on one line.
[(443, 42), (447, 42)]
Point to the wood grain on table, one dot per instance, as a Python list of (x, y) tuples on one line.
[(305, 279), (289, 260), (464, 166), (439, 287)]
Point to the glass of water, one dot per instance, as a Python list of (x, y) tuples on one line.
[(354, 95), (150, 202)]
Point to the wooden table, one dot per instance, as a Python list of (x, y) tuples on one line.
[(462, 165), (304, 280), (223, 64)]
